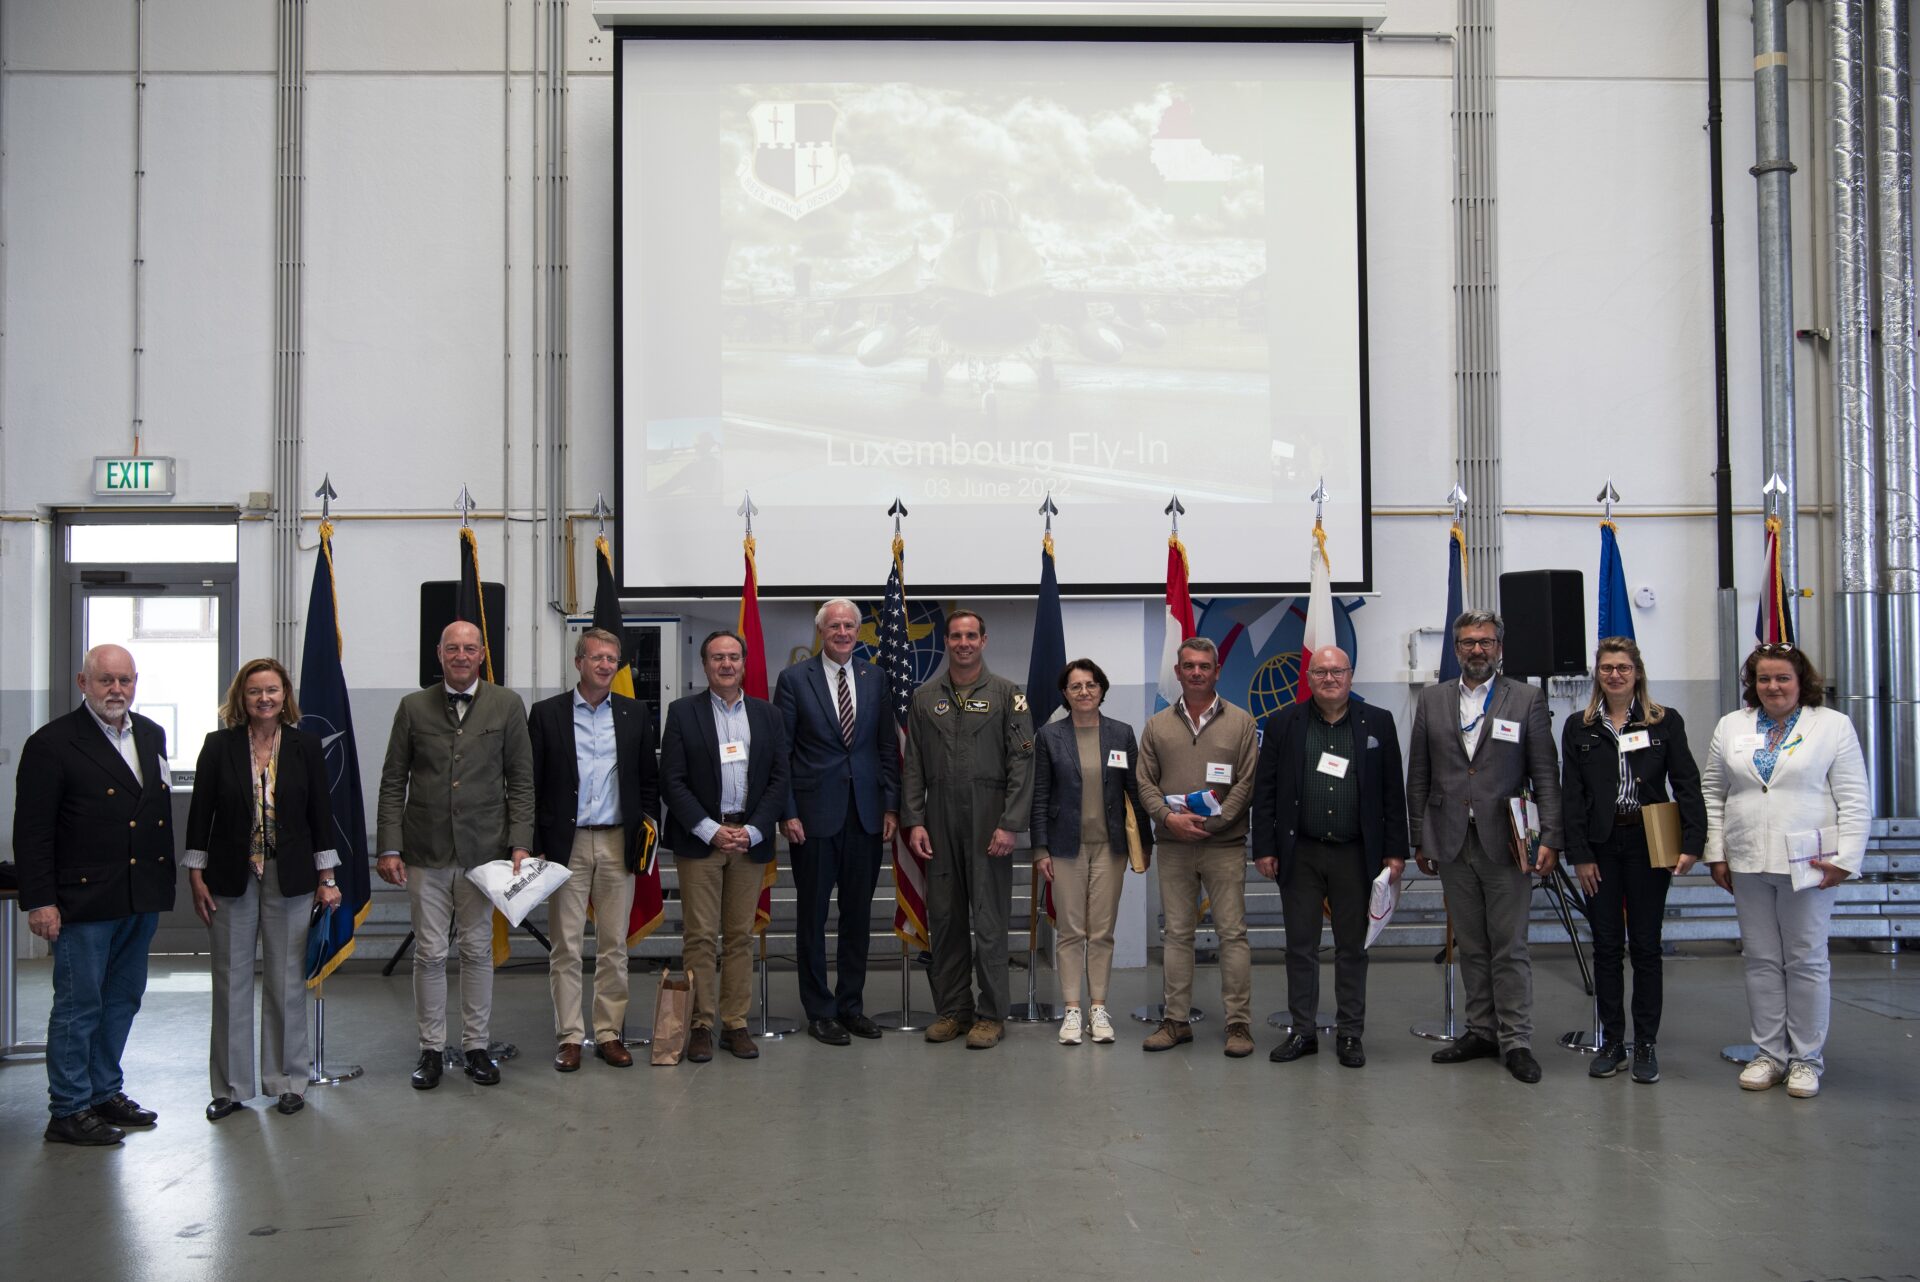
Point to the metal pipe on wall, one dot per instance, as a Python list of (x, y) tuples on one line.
[(1771, 172), (558, 402), (1899, 480), (288, 339), (1727, 595), (139, 187), (1855, 657), (1476, 297)]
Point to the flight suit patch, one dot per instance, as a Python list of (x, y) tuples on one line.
[(1019, 702), (941, 708), (976, 705)]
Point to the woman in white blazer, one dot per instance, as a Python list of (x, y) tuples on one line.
[(1787, 814)]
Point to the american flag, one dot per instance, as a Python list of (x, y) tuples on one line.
[(896, 660)]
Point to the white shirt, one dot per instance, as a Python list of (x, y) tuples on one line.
[(1213, 710), (122, 741), (1474, 702), (460, 710), (832, 670)]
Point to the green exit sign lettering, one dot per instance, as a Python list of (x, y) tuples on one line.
[(146, 478)]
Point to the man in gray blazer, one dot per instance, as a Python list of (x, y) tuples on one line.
[(1478, 743), (456, 792)]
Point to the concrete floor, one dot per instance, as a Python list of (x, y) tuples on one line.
[(896, 1159)]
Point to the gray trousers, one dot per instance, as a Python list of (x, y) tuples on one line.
[(1783, 940), (260, 913), (443, 901), (969, 898), (1488, 900)]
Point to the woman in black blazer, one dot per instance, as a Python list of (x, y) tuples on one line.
[(260, 854), (1607, 844), (1079, 838)]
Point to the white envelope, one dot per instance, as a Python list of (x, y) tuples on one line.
[(1382, 899), (1805, 847)]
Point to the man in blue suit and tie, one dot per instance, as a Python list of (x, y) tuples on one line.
[(845, 770)]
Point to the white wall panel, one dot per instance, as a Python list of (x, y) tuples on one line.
[(67, 35), (404, 243), (209, 282), (417, 35), (213, 35)]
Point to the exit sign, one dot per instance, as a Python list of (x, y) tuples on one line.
[(146, 478)]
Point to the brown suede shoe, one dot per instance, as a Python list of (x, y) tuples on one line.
[(739, 1043), (614, 1051), (985, 1034), (699, 1044), (1171, 1033), (948, 1027), (1239, 1041), (567, 1058)]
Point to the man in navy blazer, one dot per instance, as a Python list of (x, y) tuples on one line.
[(92, 836), (596, 793), (843, 807), (723, 776), (1329, 812)]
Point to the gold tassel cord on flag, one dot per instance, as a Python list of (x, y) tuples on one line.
[(468, 537), (1320, 544), (1173, 541), (1459, 537), (333, 583), (1776, 581)]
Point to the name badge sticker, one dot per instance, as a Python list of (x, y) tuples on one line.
[(1749, 742), (731, 751), (1506, 731), (1220, 772), (1635, 741), (1332, 765), (1117, 758)]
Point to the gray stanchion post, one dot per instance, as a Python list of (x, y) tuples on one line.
[(772, 1027), (1445, 1030), (10, 1043), (318, 1074), (1586, 1041), (1033, 1010), (906, 1019)]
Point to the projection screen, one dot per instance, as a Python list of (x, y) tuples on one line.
[(968, 272)]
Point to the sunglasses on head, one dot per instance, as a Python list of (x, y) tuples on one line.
[(1775, 647)]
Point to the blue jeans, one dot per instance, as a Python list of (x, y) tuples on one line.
[(99, 977)]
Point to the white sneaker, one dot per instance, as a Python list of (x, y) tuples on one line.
[(1803, 1080), (1761, 1073), (1102, 1026), (1070, 1027)]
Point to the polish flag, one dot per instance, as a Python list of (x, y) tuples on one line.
[(1179, 623), (1318, 631)]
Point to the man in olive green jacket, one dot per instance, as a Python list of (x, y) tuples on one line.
[(456, 792)]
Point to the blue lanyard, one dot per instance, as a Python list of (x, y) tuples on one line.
[(1485, 699)]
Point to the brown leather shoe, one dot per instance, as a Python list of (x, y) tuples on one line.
[(1239, 1041), (1171, 1033), (615, 1052), (699, 1044), (948, 1027), (984, 1035), (567, 1058), (738, 1042)]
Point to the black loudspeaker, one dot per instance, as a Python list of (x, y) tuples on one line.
[(436, 612), (1546, 617)]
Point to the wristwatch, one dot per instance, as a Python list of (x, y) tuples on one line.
[(331, 885)]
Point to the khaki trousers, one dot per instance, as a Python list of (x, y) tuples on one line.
[(719, 893), (596, 874), (1086, 899), (443, 902), (1222, 871)]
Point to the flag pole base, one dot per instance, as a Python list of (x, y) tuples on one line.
[(642, 1035), (497, 1051), (772, 1028), (317, 1074), (1740, 1053), (1585, 1041), (1283, 1020), (906, 1019), (1445, 1029), (1155, 1013), (1033, 1013)]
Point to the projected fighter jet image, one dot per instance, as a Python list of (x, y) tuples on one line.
[(985, 298)]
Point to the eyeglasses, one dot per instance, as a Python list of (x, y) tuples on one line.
[(1615, 669), (1081, 687), (1475, 643), (1774, 647), (1328, 674)]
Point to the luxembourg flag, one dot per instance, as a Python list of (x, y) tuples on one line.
[(1179, 624), (1318, 631)]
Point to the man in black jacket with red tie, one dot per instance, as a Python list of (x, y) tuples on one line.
[(94, 842)]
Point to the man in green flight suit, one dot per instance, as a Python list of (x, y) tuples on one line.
[(967, 789)]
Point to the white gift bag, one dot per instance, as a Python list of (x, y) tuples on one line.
[(1381, 901), (515, 897)]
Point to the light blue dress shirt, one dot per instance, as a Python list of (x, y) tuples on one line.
[(730, 723), (598, 761)]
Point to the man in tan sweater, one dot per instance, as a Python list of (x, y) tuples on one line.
[(1202, 744)]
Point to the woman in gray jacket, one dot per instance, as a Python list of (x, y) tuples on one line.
[(1079, 837)]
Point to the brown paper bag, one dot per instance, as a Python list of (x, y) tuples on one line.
[(1138, 856), (672, 1008), (1662, 822)]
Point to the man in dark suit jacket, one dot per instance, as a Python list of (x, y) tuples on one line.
[(844, 807), (1329, 812), (92, 837), (723, 776), (456, 791), (596, 791), (1478, 743)]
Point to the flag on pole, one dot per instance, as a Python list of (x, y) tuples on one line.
[(1456, 600), (1773, 622), (896, 661), (649, 904), (754, 684), (326, 712), (470, 603), (1049, 655), (1319, 628), (1615, 609), (1179, 621)]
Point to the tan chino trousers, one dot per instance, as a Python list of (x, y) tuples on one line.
[(1086, 899), (719, 893), (596, 874)]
